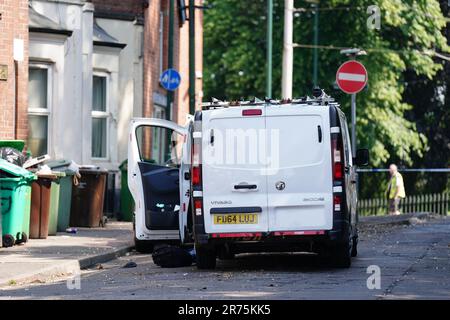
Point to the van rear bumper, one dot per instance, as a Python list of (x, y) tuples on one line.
[(280, 240)]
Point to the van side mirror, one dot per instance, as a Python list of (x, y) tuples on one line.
[(362, 157)]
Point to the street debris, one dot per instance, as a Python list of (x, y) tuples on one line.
[(12, 155), (72, 230), (130, 264), (167, 256)]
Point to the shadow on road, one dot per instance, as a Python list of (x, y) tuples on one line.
[(281, 262)]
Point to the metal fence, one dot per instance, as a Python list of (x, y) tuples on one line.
[(435, 203)]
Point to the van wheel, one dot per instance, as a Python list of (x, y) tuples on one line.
[(205, 257), (143, 246), (354, 246), (224, 253), (341, 253), (341, 256)]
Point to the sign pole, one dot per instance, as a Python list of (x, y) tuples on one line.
[(170, 57), (353, 111), (351, 78), (353, 107)]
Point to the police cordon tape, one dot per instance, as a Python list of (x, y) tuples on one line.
[(406, 170)]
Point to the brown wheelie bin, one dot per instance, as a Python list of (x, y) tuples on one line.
[(40, 205), (87, 198)]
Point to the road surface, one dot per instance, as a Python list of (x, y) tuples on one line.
[(414, 263)]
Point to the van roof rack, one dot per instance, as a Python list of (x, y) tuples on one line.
[(319, 98)]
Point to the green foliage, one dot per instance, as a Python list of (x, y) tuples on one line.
[(235, 48)]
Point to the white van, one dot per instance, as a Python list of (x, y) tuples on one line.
[(251, 177)]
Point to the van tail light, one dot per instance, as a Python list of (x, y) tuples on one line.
[(337, 200), (196, 181), (198, 207), (252, 112), (195, 170), (338, 171), (337, 159)]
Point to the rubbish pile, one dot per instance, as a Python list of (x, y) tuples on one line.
[(40, 197)]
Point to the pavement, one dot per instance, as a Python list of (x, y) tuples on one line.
[(412, 260), (42, 260), (402, 219)]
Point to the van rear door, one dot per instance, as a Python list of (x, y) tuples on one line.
[(234, 177), (300, 182)]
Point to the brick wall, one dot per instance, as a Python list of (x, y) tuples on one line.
[(13, 24), (181, 57), (131, 8), (183, 61)]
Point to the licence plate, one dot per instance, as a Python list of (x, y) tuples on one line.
[(236, 218)]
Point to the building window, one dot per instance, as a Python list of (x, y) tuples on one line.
[(39, 109), (100, 116), (158, 136)]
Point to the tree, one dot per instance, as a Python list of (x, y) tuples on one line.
[(410, 33)]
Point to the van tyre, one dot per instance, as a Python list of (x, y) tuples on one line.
[(341, 256), (354, 246), (143, 246), (224, 253), (205, 257)]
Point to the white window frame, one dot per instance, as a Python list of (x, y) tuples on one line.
[(44, 111), (159, 112), (103, 114)]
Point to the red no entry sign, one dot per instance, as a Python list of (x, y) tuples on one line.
[(351, 77)]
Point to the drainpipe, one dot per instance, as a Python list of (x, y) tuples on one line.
[(170, 94)]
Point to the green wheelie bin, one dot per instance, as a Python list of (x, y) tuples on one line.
[(16, 144), (65, 192), (55, 194), (126, 199), (15, 193)]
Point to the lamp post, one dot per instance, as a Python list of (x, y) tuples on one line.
[(192, 56), (269, 48)]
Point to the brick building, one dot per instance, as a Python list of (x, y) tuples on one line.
[(89, 66), (13, 30)]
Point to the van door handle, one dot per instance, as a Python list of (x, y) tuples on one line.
[(353, 181), (245, 186), (319, 130)]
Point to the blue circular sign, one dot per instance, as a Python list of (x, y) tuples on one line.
[(170, 79)]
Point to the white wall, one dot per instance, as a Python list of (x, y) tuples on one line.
[(74, 59), (130, 77), (64, 55)]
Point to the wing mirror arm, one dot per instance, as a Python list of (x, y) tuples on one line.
[(362, 157)]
